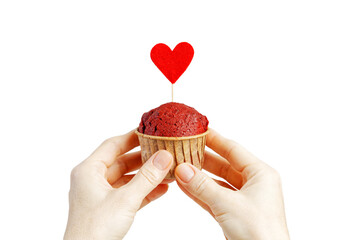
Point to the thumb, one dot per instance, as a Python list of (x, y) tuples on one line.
[(198, 184), (151, 174)]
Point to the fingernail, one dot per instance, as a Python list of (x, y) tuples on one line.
[(162, 160), (185, 172)]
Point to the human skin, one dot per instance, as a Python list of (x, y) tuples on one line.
[(253, 207), (103, 200)]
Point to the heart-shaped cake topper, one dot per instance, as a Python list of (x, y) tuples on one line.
[(172, 63)]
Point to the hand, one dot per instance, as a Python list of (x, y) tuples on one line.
[(103, 200), (253, 208)]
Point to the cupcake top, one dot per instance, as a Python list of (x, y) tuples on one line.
[(173, 120)]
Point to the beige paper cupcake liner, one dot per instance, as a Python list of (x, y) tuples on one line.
[(189, 149)]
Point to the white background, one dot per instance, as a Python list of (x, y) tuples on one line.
[(279, 77)]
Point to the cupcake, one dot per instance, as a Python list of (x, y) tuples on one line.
[(177, 128)]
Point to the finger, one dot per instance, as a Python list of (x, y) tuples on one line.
[(238, 156), (167, 181), (126, 178), (195, 199), (122, 181), (201, 203), (224, 184), (113, 147), (160, 190), (220, 167), (151, 174), (124, 164), (198, 184)]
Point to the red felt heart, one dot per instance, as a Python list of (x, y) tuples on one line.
[(172, 63)]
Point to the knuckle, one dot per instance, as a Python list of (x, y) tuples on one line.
[(149, 175), (124, 168), (233, 146), (273, 175), (224, 171), (200, 185), (222, 217), (110, 141), (114, 143), (76, 172), (79, 172)]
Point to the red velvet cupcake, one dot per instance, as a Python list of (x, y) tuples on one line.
[(177, 128)]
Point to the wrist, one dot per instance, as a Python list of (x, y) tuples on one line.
[(75, 234), (271, 233), (76, 231), (256, 230)]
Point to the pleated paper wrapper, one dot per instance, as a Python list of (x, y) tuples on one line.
[(189, 149)]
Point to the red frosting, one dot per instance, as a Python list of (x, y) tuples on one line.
[(173, 120)]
